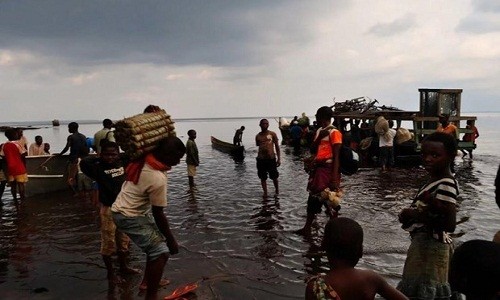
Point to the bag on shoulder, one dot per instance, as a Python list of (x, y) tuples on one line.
[(349, 160), (105, 140)]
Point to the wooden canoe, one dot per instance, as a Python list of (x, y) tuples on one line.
[(234, 150)]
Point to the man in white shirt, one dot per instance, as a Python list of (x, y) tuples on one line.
[(104, 133), (138, 208), (386, 147)]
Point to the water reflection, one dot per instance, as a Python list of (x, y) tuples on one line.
[(226, 229), (267, 224)]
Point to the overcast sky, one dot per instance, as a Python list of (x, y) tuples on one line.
[(92, 59)]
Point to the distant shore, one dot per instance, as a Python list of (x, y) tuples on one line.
[(4, 128)]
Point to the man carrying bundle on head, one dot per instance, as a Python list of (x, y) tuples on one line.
[(138, 209), (149, 140)]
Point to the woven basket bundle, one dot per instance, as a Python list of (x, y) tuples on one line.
[(139, 134)]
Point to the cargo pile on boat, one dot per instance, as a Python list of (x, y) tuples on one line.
[(139, 134), (360, 105)]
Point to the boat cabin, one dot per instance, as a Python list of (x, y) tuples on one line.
[(436, 102)]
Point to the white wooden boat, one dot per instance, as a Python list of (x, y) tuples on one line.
[(46, 173)]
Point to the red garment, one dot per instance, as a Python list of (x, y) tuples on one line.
[(471, 137), (12, 153), (325, 146), (133, 170)]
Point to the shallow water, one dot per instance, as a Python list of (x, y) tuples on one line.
[(234, 242)]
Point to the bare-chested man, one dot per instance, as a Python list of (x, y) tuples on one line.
[(268, 157)]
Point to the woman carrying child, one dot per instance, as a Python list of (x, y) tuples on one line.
[(430, 219)]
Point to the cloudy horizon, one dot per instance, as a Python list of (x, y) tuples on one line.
[(78, 60)]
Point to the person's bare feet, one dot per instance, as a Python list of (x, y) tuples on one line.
[(163, 282), (129, 270), (303, 232)]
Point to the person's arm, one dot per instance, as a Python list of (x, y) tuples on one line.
[(497, 187), (336, 165), (87, 165), (66, 148), (317, 139), (23, 157), (476, 132), (31, 150), (191, 153), (277, 148), (162, 223), (446, 212), (257, 141), (439, 215), (309, 291), (387, 291)]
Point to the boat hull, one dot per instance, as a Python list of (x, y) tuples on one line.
[(236, 151), (46, 173)]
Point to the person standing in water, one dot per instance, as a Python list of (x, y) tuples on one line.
[(326, 161), (108, 171), (15, 155), (430, 220), (268, 156), (238, 135), (192, 158), (138, 210)]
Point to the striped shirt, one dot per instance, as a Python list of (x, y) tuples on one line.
[(444, 189)]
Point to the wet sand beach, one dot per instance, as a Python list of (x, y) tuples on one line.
[(233, 242)]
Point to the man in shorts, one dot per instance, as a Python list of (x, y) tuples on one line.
[(138, 210), (76, 143), (268, 156), (109, 172)]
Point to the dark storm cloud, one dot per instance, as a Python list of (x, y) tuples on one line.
[(484, 19), (395, 27), (224, 33)]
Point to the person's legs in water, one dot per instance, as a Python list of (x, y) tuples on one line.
[(263, 182), (22, 194), (3, 183), (276, 187), (153, 273), (122, 244), (273, 175), (313, 208), (13, 189)]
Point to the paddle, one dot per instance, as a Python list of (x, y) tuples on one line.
[(42, 165)]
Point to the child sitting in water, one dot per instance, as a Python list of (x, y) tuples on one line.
[(343, 243)]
